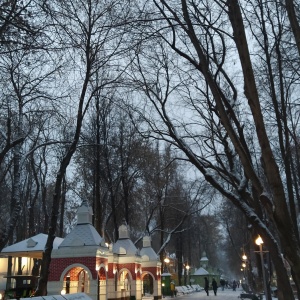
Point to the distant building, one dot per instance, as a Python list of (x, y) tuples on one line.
[(205, 270)]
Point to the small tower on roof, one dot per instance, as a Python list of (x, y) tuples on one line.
[(204, 260), (84, 233), (84, 213), (124, 245), (124, 230), (147, 252)]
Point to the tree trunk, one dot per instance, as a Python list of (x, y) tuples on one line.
[(290, 7), (62, 207), (45, 266), (280, 214)]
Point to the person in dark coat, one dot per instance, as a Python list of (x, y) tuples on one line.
[(234, 285), (214, 286), (206, 286), (222, 283)]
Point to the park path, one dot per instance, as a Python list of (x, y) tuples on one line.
[(227, 294)]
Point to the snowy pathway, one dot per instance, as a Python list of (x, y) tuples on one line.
[(227, 294)]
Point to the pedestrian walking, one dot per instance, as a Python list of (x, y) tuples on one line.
[(234, 285), (173, 289), (206, 286), (214, 286), (222, 283)]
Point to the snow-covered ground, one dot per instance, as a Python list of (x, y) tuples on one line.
[(227, 294)]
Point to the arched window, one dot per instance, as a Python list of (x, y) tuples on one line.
[(147, 285), (125, 280)]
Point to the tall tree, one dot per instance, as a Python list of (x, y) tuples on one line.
[(23, 81), (88, 31), (225, 133)]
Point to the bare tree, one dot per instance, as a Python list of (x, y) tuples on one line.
[(234, 156), (17, 24), (22, 95), (87, 30)]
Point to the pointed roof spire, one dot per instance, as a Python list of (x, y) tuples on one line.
[(124, 230), (147, 252), (146, 241), (84, 213), (124, 246)]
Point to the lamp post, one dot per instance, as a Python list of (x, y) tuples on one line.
[(259, 242), (244, 269), (244, 265), (166, 260), (166, 278), (187, 273)]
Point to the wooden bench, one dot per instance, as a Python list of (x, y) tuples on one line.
[(179, 290)]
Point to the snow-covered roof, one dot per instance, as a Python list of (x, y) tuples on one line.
[(31, 247), (147, 253), (124, 245), (201, 271), (82, 235)]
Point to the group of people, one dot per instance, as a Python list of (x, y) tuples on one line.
[(214, 285)]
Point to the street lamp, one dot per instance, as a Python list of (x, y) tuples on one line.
[(244, 265), (166, 260), (244, 271), (259, 242), (187, 273)]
